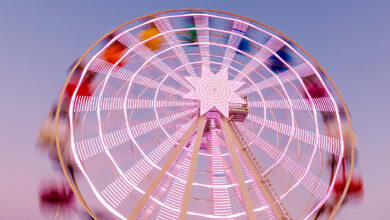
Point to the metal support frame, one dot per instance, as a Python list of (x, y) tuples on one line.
[(237, 169), (191, 172), (261, 181), (165, 168)]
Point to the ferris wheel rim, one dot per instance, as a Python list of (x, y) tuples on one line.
[(78, 193)]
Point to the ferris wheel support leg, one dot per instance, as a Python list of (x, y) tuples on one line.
[(237, 169), (232, 137), (164, 169), (191, 173)]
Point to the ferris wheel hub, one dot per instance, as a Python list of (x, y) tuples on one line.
[(214, 91)]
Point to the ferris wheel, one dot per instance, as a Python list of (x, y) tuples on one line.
[(202, 114)]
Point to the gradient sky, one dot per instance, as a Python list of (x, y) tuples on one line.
[(39, 40)]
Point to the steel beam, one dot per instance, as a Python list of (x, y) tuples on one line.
[(163, 170), (237, 169), (258, 178), (191, 171)]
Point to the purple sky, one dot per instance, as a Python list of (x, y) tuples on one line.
[(39, 41)]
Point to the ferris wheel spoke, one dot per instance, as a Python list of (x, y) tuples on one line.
[(145, 127), (142, 168), (264, 53), (103, 67), (323, 104), (152, 187), (202, 22), (310, 181), (175, 194), (234, 41), (326, 143), (303, 70), (93, 146), (222, 205), (233, 180), (192, 168), (166, 183), (165, 26), (151, 83), (132, 42), (89, 104), (230, 176)]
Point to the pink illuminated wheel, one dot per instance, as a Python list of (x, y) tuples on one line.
[(203, 114)]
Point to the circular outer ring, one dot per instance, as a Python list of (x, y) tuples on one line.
[(72, 181)]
